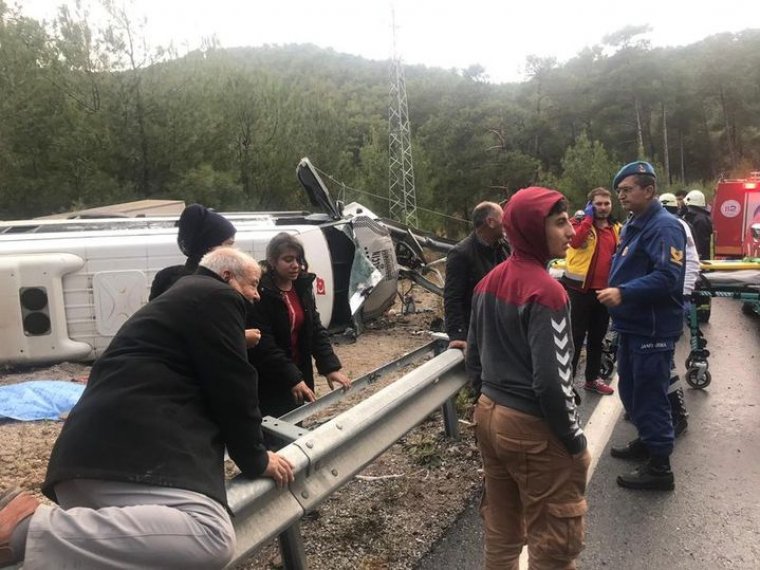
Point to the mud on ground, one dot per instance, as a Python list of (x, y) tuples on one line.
[(386, 518)]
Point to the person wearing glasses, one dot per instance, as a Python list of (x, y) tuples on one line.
[(645, 301)]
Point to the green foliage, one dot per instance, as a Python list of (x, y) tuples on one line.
[(463, 402), (92, 115), (424, 450), (204, 185), (585, 166)]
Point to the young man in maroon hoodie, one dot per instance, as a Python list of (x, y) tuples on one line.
[(529, 435)]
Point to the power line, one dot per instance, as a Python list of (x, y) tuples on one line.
[(379, 197)]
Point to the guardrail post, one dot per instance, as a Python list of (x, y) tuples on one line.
[(290, 540), (292, 548), (449, 408), (450, 419)]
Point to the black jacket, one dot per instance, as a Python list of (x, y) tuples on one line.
[(466, 264), (171, 391), (273, 356), (168, 276), (702, 229)]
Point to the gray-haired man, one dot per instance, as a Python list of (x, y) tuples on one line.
[(138, 469), (466, 264)]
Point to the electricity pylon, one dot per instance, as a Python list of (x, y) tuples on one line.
[(401, 191)]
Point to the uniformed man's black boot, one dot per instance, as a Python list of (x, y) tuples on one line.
[(634, 450), (655, 475), (678, 410)]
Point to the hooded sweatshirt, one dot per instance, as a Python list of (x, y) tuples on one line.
[(519, 339)]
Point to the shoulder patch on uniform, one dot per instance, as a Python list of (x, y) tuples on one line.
[(676, 255)]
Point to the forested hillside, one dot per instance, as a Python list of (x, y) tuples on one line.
[(93, 116)]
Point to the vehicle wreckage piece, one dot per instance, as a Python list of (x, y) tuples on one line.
[(410, 252)]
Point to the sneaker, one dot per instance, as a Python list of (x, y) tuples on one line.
[(648, 477), (633, 450), (599, 387), (15, 506)]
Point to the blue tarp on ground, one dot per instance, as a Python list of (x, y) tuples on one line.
[(38, 399)]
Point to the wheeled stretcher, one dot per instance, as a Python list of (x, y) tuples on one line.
[(718, 280)]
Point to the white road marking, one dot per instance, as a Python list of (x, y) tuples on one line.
[(598, 430)]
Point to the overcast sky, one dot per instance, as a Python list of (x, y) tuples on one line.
[(497, 34)]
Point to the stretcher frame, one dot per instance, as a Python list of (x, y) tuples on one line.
[(709, 286)]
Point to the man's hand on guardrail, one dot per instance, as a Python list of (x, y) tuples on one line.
[(279, 469), (302, 393), (340, 378), (460, 344)]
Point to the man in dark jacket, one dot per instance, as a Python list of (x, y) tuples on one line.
[(699, 219), (466, 264), (645, 300), (138, 469), (528, 432), (681, 204)]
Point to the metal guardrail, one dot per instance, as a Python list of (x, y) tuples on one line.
[(306, 411), (328, 457), (281, 431)]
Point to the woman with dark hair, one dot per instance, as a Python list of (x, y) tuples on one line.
[(200, 231), (291, 332)]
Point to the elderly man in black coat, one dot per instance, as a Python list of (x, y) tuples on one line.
[(138, 469), (466, 264)]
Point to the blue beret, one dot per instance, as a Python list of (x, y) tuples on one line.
[(638, 167)]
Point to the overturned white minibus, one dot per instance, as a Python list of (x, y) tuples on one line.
[(66, 286)]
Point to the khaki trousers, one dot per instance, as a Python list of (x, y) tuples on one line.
[(534, 491)]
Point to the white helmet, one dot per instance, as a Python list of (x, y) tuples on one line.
[(695, 198), (668, 199)]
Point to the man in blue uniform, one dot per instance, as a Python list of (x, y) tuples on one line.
[(645, 300)]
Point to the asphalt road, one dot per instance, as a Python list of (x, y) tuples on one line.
[(712, 519)]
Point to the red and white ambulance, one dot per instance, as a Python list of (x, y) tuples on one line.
[(735, 209)]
